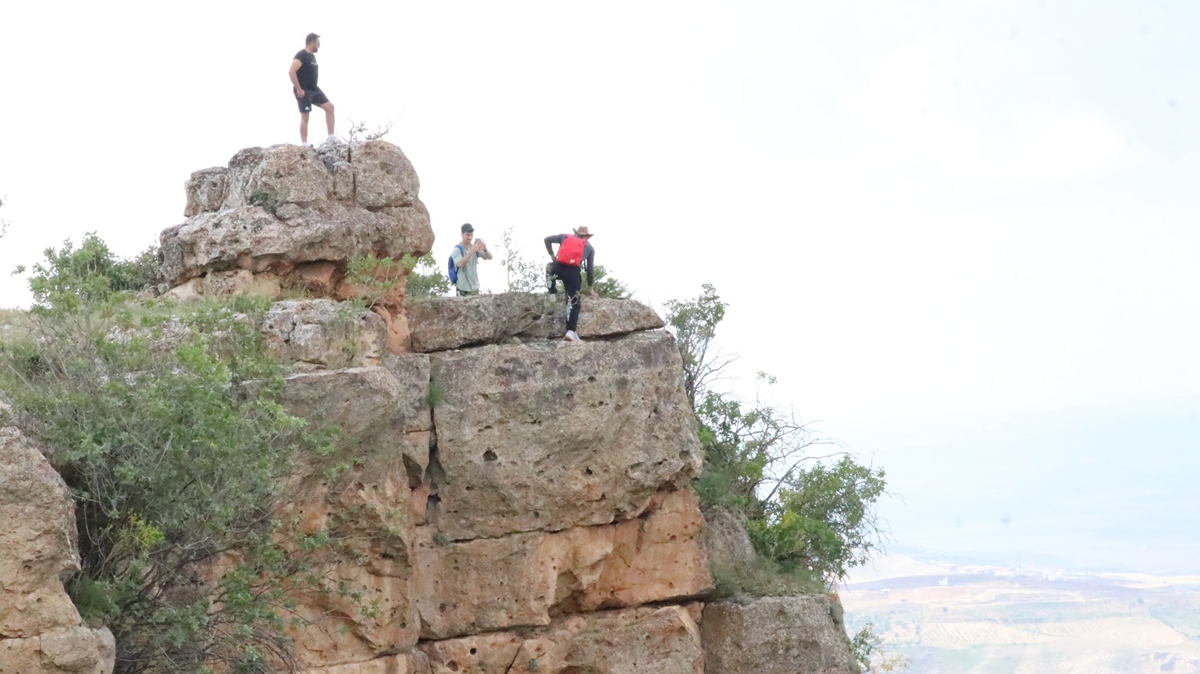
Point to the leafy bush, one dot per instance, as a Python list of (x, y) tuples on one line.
[(165, 425), (823, 518), (425, 278), (804, 514), (376, 277), (72, 278)]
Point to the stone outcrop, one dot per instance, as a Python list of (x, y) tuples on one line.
[(776, 635), (551, 435), (296, 213), (726, 542), (40, 629), (444, 323), (523, 580), (658, 640), (324, 334), (496, 501)]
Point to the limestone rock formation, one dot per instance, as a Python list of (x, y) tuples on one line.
[(324, 334), (550, 435), (39, 627), (655, 640), (373, 506), (725, 540), (497, 500), (444, 323), (776, 635), (524, 579), (297, 213), (400, 663)]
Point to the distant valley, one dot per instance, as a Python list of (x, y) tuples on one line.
[(952, 618)]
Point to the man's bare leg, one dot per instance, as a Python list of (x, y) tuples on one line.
[(303, 128), (328, 108)]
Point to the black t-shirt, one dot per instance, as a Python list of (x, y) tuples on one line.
[(307, 74)]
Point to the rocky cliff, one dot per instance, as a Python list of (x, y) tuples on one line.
[(517, 503), (40, 630)]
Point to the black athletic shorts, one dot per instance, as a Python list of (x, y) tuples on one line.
[(311, 96)]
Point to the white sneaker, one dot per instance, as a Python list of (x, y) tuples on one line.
[(571, 336)]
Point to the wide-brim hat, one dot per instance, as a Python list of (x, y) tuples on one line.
[(582, 232)]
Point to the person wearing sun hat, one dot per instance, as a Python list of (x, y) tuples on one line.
[(573, 251)]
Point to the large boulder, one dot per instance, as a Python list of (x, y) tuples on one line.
[(525, 579), (66, 650), (552, 435), (281, 208), (648, 640), (323, 334), (40, 629), (726, 541), (37, 541), (443, 323), (368, 497), (776, 635)]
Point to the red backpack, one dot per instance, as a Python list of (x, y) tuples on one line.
[(570, 251)]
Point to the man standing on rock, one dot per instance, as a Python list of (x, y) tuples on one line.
[(466, 259), (303, 74), (573, 250)]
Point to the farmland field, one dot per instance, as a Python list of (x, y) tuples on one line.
[(951, 618)]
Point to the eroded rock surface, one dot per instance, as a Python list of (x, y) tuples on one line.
[(776, 635), (39, 627), (402, 663), (370, 507), (551, 435), (280, 208), (37, 535), (324, 334), (444, 323), (643, 640), (525, 579)]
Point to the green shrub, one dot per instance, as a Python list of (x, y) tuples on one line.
[(823, 519), (164, 424), (72, 278), (805, 515), (425, 278)]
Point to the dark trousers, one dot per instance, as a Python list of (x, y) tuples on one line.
[(572, 284)]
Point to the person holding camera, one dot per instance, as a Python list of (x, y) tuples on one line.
[(466, 258), (573, 251)]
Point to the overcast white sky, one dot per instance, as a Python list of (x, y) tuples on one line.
[(915, 209)]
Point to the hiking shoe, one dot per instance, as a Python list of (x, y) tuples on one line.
[(571, 336)]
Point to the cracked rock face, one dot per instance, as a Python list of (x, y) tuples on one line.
[(39, 627), (279, 208), (372, 507), (648, 640), (525, 579), (37, 541), (323, 334), (776, 635), (444, 323), (552, 435)]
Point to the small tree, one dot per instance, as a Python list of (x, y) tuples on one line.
[(694, 324), (803, 513)]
